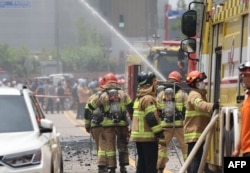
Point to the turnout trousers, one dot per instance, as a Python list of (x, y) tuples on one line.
[(96, 134), (169, 133), (110, 138)]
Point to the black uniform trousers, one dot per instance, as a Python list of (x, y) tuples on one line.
[(194, 165), (147, 157)]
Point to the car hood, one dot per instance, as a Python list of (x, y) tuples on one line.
[(18, 142)]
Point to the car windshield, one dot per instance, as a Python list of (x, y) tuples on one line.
[(14, 115)]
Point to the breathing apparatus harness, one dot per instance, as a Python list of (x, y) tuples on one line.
[(115, 112), (170, 113)]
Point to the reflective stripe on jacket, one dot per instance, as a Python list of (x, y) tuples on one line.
[(141, 131), (198, 114), (103, 101)]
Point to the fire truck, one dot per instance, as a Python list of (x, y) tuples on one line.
[(162, 59), (219, 33)]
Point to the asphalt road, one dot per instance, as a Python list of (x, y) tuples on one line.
[(79, 152)]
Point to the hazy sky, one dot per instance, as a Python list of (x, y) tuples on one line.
[(174, 2)]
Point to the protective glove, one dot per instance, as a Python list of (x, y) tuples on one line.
[(159, 135), (216, 106), (87, 129)]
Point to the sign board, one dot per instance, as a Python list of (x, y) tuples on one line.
[(15, 3)]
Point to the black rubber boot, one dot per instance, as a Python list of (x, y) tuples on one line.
[(160, 171), (123, 169), (102, 169), (112, 170)]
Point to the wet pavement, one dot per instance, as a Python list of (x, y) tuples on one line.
[(79, 152)]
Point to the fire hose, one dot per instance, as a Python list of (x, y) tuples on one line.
[(201, 139)]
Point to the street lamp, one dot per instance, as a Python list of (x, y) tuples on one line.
[(155, 38)]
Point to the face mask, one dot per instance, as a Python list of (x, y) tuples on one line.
[(201, 85)]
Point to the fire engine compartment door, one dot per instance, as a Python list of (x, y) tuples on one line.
[(133, 71)]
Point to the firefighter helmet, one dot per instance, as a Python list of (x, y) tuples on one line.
[(145, 78), (244, 68), (195, 76), (82, 82), (175, 75), (101, 81), (92, 84), (109, 77)]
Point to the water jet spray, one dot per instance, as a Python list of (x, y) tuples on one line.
[(94, 12)]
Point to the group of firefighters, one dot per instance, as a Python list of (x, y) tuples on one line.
[(158, 113)]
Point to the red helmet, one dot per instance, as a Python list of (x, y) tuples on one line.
[(175, 75), (109, 77), (244, 68), (101, 81), (194, 76)]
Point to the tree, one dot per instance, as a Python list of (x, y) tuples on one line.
[(181, 7), (18, 62), (89, 55)]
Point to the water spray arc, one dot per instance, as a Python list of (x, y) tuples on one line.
[(94, 12)]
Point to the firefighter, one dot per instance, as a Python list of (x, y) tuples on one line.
[(244, 143), (83, 95), (115, 104), (93, 119), (197, 116), (171, 102), (146, 128)]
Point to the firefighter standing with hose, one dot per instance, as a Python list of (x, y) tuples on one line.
[(115, 104), (171, 102), (198, 115), (146, 128)]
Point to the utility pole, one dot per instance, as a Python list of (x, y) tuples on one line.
[(57, 35)]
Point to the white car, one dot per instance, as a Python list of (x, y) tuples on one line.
[(29, 143)]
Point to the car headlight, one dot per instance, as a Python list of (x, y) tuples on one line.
[(23, 159)]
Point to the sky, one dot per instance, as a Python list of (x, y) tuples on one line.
[(174, 2)]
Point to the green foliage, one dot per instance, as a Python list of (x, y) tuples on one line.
[(181, 5), (18, 62), (88, 56)]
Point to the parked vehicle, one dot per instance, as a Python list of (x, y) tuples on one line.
[(29, 142), (44, 79), (61, 76)]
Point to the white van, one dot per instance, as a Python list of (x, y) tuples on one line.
[(59, 77)]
